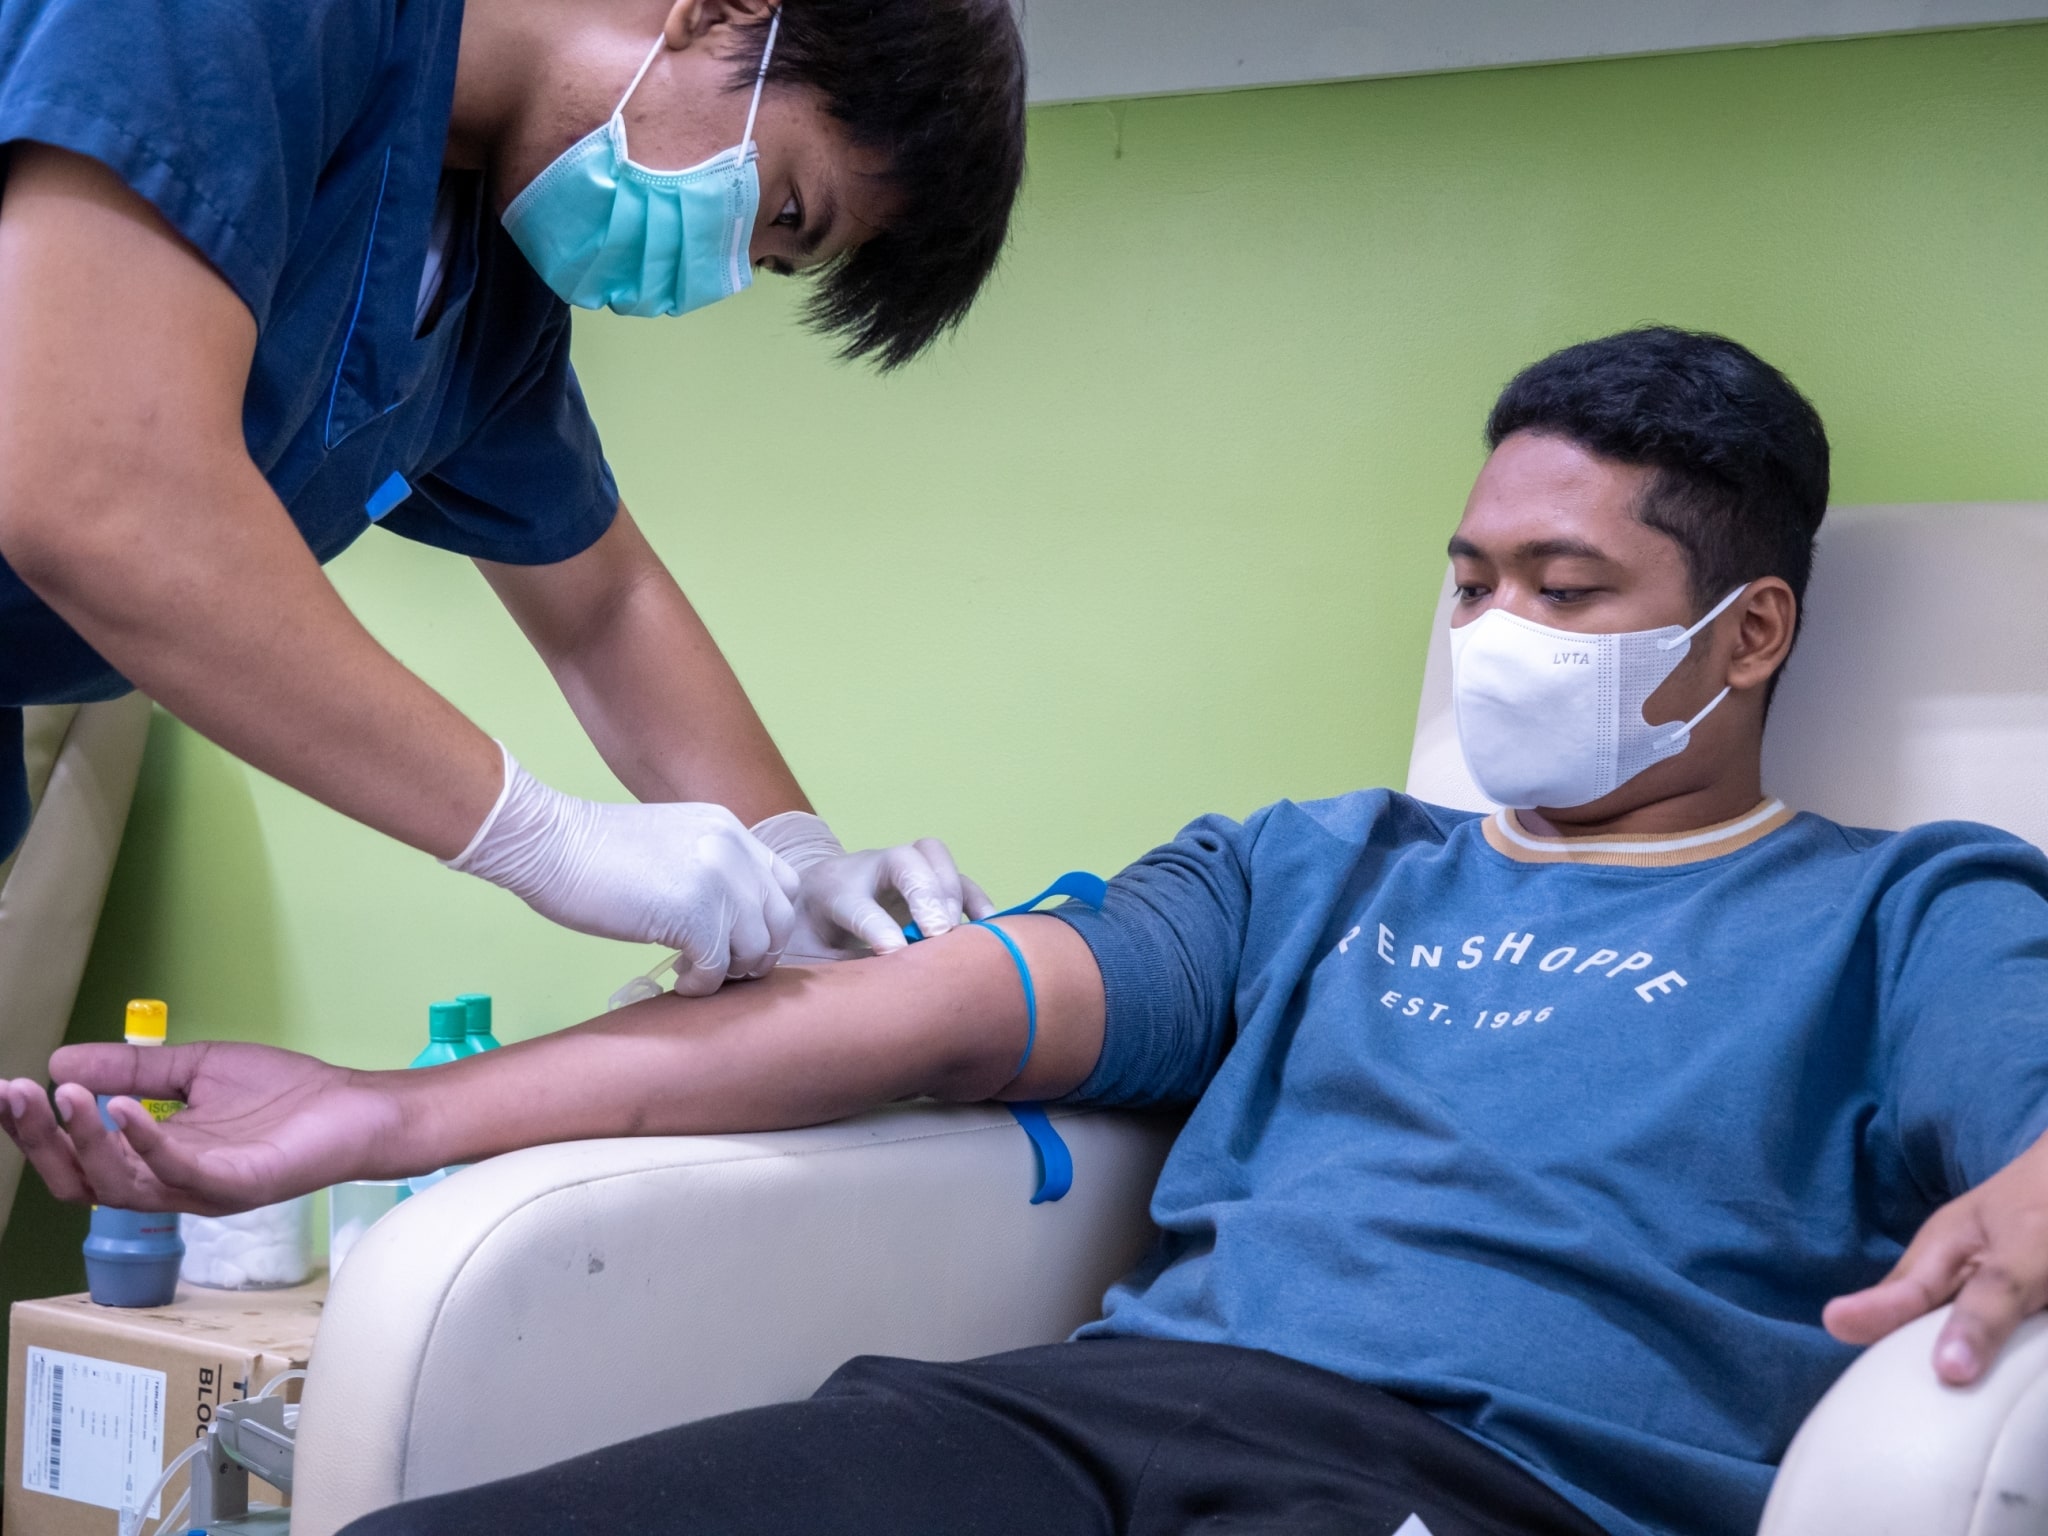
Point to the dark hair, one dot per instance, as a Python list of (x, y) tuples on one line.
[(1741, 456), (937, 86)]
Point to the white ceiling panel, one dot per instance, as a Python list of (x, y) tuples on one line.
[(1087, 49)]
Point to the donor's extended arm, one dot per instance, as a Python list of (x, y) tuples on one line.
[(802, 1046)]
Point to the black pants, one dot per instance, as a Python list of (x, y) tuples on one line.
[(1087, 1439), (13, 782)]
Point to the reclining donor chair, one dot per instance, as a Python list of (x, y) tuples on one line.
[(562, 1298)]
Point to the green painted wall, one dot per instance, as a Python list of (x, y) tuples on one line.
[(1161, 532)]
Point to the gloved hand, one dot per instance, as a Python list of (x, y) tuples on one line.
[(839, 904), (686, 876)]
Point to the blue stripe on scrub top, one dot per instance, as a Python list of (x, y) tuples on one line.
[(297, 144)]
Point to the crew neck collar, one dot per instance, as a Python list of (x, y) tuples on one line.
[(1506, 835)]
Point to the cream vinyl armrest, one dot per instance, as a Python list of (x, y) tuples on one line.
[(568, 1297), (1890, 1451)]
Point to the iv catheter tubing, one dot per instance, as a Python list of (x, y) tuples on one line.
[(132, 1518), (169, 1523)]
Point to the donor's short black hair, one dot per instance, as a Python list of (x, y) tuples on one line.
[(1741, 456), (937, 87)]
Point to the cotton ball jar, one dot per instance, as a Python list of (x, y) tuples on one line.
[(269, 1246)]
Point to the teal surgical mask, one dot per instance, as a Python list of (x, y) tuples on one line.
[(605, 233)]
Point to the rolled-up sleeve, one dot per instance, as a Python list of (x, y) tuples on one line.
[(220, 113), (1168, 939)]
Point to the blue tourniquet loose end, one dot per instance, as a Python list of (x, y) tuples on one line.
[(1055, 1162)]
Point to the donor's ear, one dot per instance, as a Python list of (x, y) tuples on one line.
[(1765, 618)]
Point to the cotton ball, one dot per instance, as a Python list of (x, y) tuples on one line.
[(269, 1246)]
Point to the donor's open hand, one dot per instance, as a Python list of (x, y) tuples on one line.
[(260, 1125), (1987, 1251)]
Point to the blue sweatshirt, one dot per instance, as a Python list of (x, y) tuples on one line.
[(1568, 1143)]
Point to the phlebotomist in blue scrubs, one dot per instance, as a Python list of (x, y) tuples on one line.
[(272, 271)]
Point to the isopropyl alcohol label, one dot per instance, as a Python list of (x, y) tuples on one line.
[(92, 1430)]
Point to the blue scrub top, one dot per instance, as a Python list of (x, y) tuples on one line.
[(297, 145)]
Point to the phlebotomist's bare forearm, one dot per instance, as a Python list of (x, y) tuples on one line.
[(645, 677), (129, 503)]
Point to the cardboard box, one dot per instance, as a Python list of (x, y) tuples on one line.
[(100, 1398)]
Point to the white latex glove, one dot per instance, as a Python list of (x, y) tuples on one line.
[(683, 875), (839, 904)]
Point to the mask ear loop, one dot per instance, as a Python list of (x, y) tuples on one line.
[(736, 275), (1711, 614), (619, 112), (760, 79), (1684, 732)]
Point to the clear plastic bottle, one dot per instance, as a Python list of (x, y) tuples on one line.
[(353, 1208), (479, 1006), (258, 1250), (132, 1257)]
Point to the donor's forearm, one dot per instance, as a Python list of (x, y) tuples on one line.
[(945, 1019)]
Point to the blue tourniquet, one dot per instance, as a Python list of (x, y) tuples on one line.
[(1055, 1162)]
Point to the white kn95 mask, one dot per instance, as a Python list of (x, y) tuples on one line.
[(1551, 717)]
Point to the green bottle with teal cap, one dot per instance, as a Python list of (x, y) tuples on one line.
[(447, 1040), (447, 1035), (479, 1006)]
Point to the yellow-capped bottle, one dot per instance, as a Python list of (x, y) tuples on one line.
[(149, 1023), (132, 1257)]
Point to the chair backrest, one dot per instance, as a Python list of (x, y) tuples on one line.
[(82, 764), (1919, 691)]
